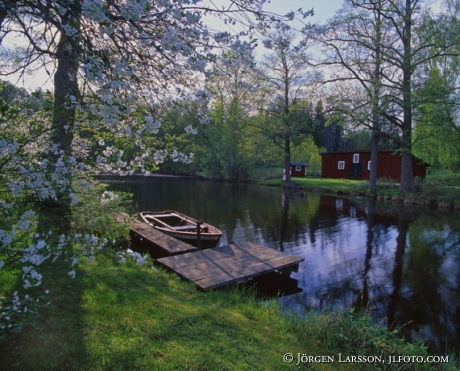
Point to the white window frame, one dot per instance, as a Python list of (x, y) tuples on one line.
[(298, 168), (369, 165), (356, 158), (341, 165)]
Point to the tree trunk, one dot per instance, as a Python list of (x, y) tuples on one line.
[(287, 162), (407, 178), (376, 101), (374, 163), (66, 94)]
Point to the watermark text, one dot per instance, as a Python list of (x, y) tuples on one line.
[(301, 358)]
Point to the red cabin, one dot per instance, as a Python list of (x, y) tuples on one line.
[(299, 168), (357, 165)]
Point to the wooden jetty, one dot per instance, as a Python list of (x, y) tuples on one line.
[(220, 266), (162, 244), (234, 263)]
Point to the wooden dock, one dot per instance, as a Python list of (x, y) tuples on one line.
[(161, 244), (166, 245), (220, 266), (224, 265)]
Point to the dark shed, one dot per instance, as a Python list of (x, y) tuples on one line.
[(299, 168), (357, 165)]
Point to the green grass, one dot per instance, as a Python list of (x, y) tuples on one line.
[(439, 186), (125, 317), (443, 177), (324, 185)]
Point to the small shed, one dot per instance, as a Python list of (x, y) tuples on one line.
[(299, 168), (357, 165)]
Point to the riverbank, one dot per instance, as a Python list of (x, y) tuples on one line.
[(440, 189), (126, 317)]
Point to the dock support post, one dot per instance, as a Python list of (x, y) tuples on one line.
[(198, 234)]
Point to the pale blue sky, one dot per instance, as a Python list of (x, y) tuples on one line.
[(324, 9)]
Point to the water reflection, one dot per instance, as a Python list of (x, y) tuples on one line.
[(399, 264)]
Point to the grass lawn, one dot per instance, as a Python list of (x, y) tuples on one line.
[(324, 185), (125, 317)]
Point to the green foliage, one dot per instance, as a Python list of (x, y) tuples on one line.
[(308, 151), (95, 213), (436, 135)]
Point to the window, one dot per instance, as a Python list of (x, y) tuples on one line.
[(369, 165), (356, 158), (298, 168), (341, 165)]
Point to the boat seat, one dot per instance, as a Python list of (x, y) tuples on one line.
[(185, 228)]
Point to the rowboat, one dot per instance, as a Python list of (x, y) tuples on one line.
[(183, 227)]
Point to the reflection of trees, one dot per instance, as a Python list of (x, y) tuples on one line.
[(284, 217), (395, 297), (363, 300), (242, 211), (433, 278)]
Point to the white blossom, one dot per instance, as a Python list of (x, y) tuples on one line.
[(159, 156), (190, 130), (152, 125), (108, 197), (140, 259)]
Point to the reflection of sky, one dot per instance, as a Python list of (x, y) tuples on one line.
[(343, 259), (332, 274)]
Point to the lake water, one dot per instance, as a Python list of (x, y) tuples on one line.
[(400, 264)]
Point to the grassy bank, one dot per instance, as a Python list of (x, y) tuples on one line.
[(441, 188), (321, 185), (123, 317)]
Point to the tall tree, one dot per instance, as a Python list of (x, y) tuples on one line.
[(233, 84), (437, 124), (287, 77), (354, 40), (412, 47)]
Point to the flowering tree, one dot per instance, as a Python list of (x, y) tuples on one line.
[(104, 58)]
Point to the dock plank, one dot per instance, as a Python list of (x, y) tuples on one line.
[(228, 264), (170, 245)]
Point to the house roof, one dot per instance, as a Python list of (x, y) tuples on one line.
[(359, 151), (394, 151), (299, 164)]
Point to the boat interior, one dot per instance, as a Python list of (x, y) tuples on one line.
[(175, 222)]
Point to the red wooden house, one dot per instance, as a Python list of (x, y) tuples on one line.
[(299, 168), (357, 165)]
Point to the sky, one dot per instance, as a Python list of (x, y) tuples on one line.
[(323, 9)]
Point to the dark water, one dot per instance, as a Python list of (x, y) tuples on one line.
[(400, 264)]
